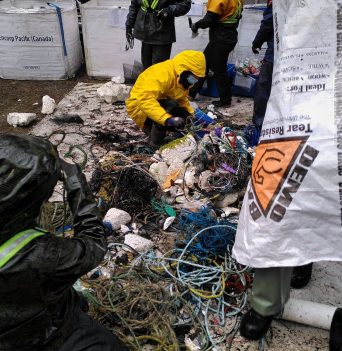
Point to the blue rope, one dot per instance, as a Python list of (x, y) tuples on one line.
[(252, 135), (60, 20), (212, 241)]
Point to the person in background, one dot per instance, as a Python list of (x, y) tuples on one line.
[(40, 310), (222, 19), (153, 23), (265, 34), (159, 99)]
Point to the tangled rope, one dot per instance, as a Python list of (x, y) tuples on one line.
[(138, 307), (180, 297)]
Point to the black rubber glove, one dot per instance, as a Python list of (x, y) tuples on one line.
[(176, 122), (68, 169), (194, 28), (255, 50), (163, 14), (129, 34)]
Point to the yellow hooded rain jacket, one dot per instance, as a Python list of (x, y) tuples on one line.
[(161, 81)]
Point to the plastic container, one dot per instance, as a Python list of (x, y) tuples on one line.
[(210, 89), (244, 85), (202, 118)]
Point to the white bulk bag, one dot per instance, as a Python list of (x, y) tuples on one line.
[(292, 211), (38, 41)]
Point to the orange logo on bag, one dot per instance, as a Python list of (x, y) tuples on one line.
[(271, 166)]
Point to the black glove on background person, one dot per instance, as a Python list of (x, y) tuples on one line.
[(194, 28), (255, 50), (129, 33), (176, 122), (163, 14)]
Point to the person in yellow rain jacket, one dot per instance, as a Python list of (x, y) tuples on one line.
[(159, 99), (222, 19)]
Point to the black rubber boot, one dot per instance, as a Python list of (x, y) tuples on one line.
[(254, 326), (335, 342), (222, 103), (301, 276), (157, 135), (192, 96)]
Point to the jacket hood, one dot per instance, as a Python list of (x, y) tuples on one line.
[(29, 170), (190, 60)]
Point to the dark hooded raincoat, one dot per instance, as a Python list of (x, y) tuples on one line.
[(39, 306)]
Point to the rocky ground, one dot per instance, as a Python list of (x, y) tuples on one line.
[(77, 98)]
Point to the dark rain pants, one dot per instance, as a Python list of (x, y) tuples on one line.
[(216, 55), (262, 93), (88, 335), (157, 132), (153, 53)]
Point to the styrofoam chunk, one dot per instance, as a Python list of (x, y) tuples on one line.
[(159, 171), (118, 80), (111, 92), (124, 229), (116, 217), (48, 105), (168, 222), (138, 243), (190, 178), (16, 119)]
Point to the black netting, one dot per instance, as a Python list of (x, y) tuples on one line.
[(134, 190)]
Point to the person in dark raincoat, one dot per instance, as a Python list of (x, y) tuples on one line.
[(222, 19), (40, 310), (153, 23), (265, 34)]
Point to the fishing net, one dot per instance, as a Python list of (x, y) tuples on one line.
[(134, 190)]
